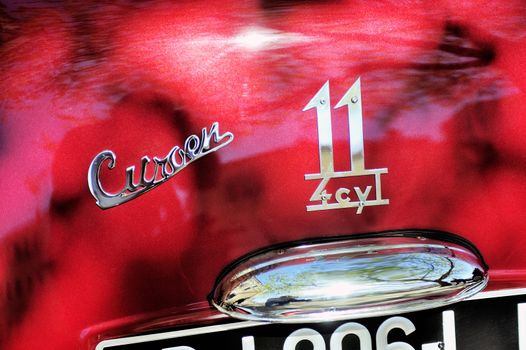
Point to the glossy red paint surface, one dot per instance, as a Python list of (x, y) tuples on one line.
[(443, 88)]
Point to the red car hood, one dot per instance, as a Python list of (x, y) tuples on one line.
[(443, 88)]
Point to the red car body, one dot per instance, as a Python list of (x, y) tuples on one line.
[(443, 87)]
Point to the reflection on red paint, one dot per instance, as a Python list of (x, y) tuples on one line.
[(443, 87)]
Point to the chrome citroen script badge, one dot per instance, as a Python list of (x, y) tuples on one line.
[(176, 160), (343, 198)]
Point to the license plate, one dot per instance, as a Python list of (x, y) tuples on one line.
[(492, 323)]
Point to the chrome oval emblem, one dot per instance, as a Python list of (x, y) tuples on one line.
[(352, 278), (165, 168)]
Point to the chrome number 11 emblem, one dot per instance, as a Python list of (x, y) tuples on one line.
[(343, 197)]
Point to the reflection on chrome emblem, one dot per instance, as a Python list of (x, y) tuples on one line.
[(343, 196), (165, 168)]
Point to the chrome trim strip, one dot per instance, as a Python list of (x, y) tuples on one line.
[(177, 334), (499, 294)]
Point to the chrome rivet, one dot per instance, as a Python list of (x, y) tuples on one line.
[(354, 99)]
